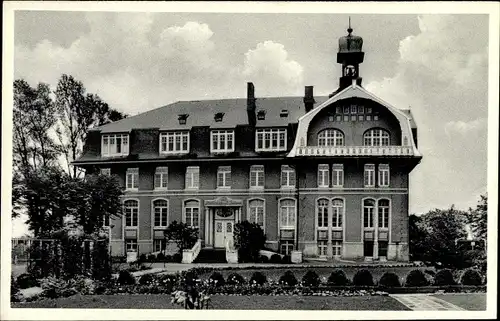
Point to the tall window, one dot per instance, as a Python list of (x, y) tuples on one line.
[(337, 248), (222, 141), (323, 213), (192, 177), (383, 175), (330, 137), (376, 137), (174, 142), (114, 145), (369, 175), (256, 176), (159, 245), (287, 176), (286, 247), (131, 209), (160, 208), (368, 209), (338, 175), (287, 213), (337, 212), (224, 177), (192, 213), (322, 248), (273, 139), (383, 213), (131, 245), (323, 175), (256, 212), (132, 179), (161, 178)]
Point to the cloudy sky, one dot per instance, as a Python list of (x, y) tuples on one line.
[(437, 64)]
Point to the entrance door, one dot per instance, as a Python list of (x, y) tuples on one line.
[(223, 232)]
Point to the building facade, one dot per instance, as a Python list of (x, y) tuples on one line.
[(328, 176)]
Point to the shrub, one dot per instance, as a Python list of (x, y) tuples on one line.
[(235, 279), (168, 258), (181, 233), (263, 259), (471, 277), (275, 258), (27, 280), (258, 278), (249, 239), (444, 277), (142, 258), (143, 267), (160, 257), (287, 259), (389, 280), (83, 285), (14, 290), (430, 272), (288, 279), (216, 279), (54, 288), (177, 257), (311, 278), (126, 278), (151, 258), (363, 278), (416, 278), (338, 278), (146, 279)]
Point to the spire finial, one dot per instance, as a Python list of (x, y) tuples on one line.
[(349, 30)]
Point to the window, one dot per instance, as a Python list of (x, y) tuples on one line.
[(174, 142), (368, 208), (382, 248), (383, 175), (287, 177), (337, 248), (337, 212), (192, 213), (284, 113), (106, 171), (287, 213), (323, 175), (257, 176), (256, 212), (222, 141), (131, 209), (338, 118), (354, 109), (218, 117), (330, 137), (271, 139), (131, 245), (224, 177), (361, 117), (192, 177), (361, 109), (383, 213), (114, 145), (323, 213), (368, 248), (286, 247), (160, 208), (369, 175), (261, 115), (338, 110), (338, 175), (159, 245), (182, 119), (322, 248), (161, 178), (376, 137), (132, 179)]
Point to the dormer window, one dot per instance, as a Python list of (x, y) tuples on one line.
[(261, 115), (218, 117), (174, 142), (222, 141), (114, 145), (182, 119), (270, 140), (284, 113)]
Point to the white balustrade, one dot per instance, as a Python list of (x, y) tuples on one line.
[(355, 151)]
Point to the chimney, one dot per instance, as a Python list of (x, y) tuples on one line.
[(309, 98), (251, 104)]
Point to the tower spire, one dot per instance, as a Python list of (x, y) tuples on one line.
[(349, 30)]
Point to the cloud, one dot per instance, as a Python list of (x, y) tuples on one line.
[(465, 128)]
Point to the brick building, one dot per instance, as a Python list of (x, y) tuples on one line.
[(328, 176)]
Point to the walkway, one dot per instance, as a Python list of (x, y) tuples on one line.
[(425, 302)]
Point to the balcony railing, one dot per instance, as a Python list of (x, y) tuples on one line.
[(355, 151)]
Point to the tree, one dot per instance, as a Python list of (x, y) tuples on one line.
[(182, 234), (249, 239), (478, 218)]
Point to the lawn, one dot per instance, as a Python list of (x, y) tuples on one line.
[(222, 302), (468, 301)]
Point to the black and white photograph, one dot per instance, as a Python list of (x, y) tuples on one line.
[(279, 160)]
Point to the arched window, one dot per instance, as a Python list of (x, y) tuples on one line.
[(368, 209), (160, 208), (383, 213), (287, 213), (376, 137), (256, 212), (337, 212), (322, 213), (330, 137), (192, 213), (131, 209)]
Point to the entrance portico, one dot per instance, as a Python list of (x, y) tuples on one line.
[(221, 214)]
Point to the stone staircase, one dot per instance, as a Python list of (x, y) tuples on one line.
[(211, 256)]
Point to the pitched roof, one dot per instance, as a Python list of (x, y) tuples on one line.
[(202, 112)]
